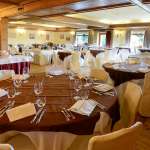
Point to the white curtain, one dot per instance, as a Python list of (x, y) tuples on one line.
[(147, 39), (128, 37)]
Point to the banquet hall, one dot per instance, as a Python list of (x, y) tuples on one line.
[(74, 75)]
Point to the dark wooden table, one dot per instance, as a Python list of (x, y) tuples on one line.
[(120, 76), (58, 91)]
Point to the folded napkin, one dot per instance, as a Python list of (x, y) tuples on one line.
[(3, 92), (84, 107), (103, 87), (21, 112)]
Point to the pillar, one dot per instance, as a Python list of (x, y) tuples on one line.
[(4, 34)]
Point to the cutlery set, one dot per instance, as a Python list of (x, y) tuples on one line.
[(68, 114), (38, 116), (8, 106)]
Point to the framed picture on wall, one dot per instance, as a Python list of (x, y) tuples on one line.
[(47, 37), (31, 36), (67, 38), (61, 36)]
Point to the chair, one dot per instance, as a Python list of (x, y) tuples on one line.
[(6, 147), (129, 102), (144, 106), (124, 139), (75, 62)]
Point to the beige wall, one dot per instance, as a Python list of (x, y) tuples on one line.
[(22, 37), (119, 37)]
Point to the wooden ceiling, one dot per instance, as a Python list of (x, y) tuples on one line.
[(54, 10), (55, 7)]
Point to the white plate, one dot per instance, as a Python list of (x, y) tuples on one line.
[(56, 71)]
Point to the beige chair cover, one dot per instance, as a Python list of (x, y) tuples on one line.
[(6, 147), (129, 102), (123, 139), (53, 140), (75, 62), (144, 107), (99, 74)]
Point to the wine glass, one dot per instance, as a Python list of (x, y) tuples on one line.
[(17, 83), (11, 92), (38, 88), (77, 87), (41, 102), (84, 93)]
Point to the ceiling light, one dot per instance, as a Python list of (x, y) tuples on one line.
[(47, 25), (20, 30)]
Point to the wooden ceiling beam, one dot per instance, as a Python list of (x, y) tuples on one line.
[(8, 2), (68, 20), (131, 25), (35, 5)]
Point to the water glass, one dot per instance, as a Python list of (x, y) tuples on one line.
[(84, 93), (17, 83), (41, 102), (77, 87), (11, 92), (38, 88)]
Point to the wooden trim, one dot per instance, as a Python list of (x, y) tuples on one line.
[(36, 5), (130, 25), (8, 2)]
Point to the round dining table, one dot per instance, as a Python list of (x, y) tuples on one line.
[(123, 72), (62, 55), (58, 91), (16, 63)]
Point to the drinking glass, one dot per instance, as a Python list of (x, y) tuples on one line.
[(17, 83), (38, 89), (11, 92), (77, 87), (84, 93), (41, 102)]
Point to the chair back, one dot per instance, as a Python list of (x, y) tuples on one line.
[(6, 147), (144, 106), (129, 104), (99, 74), (124, 139)]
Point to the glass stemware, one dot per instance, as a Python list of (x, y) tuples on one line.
[(77, 87), (17, 83), (41, 102), (38, 89), (84, 93), (11, 92)]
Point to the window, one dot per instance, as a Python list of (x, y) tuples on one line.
[(137, 39), (81, 38), (102, 39)]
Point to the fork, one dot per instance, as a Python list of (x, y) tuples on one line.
[(69, 113), (36, 115), (41, 115), (9, 106), (66, 116)]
